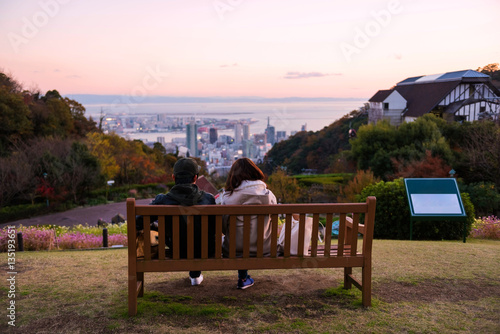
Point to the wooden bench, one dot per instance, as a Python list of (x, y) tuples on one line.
[(342, 252)]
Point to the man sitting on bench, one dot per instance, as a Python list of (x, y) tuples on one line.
[(185, 192)]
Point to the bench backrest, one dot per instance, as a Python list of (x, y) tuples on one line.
[(346, 244)]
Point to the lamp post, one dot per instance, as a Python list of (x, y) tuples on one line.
[(46, 190), (108, 184)]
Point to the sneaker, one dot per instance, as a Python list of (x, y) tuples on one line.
[(246, 283), (196, 280)]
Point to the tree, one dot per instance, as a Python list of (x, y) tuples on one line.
[(481, 153), (101, 148), (82, 125), (429, 166), (351, 192), (15, 124), (377, 146), (285, 188), (82, 171)]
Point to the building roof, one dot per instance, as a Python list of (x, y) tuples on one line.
[(381, 95), (449, 76), (422, 98)]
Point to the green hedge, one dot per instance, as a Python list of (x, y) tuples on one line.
[(12, 213), (392, 218), (308, 180), (484, 196)]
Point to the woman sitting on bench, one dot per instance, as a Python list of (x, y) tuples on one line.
[(245, 185)]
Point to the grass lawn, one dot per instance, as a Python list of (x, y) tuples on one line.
[(418, 287)]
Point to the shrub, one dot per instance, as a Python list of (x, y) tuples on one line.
[(12, 213), (79, 240), (392, 219), (48, 237), (117, 239), (486, 228), (485, 197), (362, 179)]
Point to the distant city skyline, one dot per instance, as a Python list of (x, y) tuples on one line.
[(222, 48)]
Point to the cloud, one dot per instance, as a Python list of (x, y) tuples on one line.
[(231, 65), (73, 76), (398, 56), (57, 70), (306, 75)]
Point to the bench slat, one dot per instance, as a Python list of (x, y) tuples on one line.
[(246, 236), (232, 236), (158, 210), (302, 225), (218, 241), (354, 233), (204, 237), (175, 238), (147, 238), (161, 237), (288, 234), (328, 234), (274, 235), (341, 237), (314, 238), (260, 236), (190, 237)]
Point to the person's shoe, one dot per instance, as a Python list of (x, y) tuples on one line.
[(246, 283), (196, 280)]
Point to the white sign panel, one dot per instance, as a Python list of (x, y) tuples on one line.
[(436, 204)]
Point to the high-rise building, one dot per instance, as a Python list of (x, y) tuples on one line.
[(213, 135), (161, 140), (280, 135), (247, 148), (192, 139), (246, 131), (237, 133), (270, 133)]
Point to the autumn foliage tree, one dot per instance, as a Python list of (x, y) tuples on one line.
[(285, 188), (351, 191), (428, 166)]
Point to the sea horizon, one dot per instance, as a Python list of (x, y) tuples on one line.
[(289, 116)]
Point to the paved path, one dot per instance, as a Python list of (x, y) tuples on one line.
[(86, 215)]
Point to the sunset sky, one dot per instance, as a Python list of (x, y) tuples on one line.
[(241, 48)]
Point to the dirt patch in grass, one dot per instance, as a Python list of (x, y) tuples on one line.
[(443, 290)]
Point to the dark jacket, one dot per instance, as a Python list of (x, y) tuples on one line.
[(187, 195)]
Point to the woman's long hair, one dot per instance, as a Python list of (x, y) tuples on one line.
[(242, 169)]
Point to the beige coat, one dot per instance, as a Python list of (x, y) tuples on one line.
[(248, 193)]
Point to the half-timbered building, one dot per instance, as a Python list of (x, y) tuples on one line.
[(455, 96)]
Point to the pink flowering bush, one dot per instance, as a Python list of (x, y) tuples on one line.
[(486, 228), (80, 237), (78, 241), (117, 239), (4, 238)]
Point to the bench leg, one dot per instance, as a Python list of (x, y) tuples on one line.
[(132, 295), (347, 281), (366, 280)]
